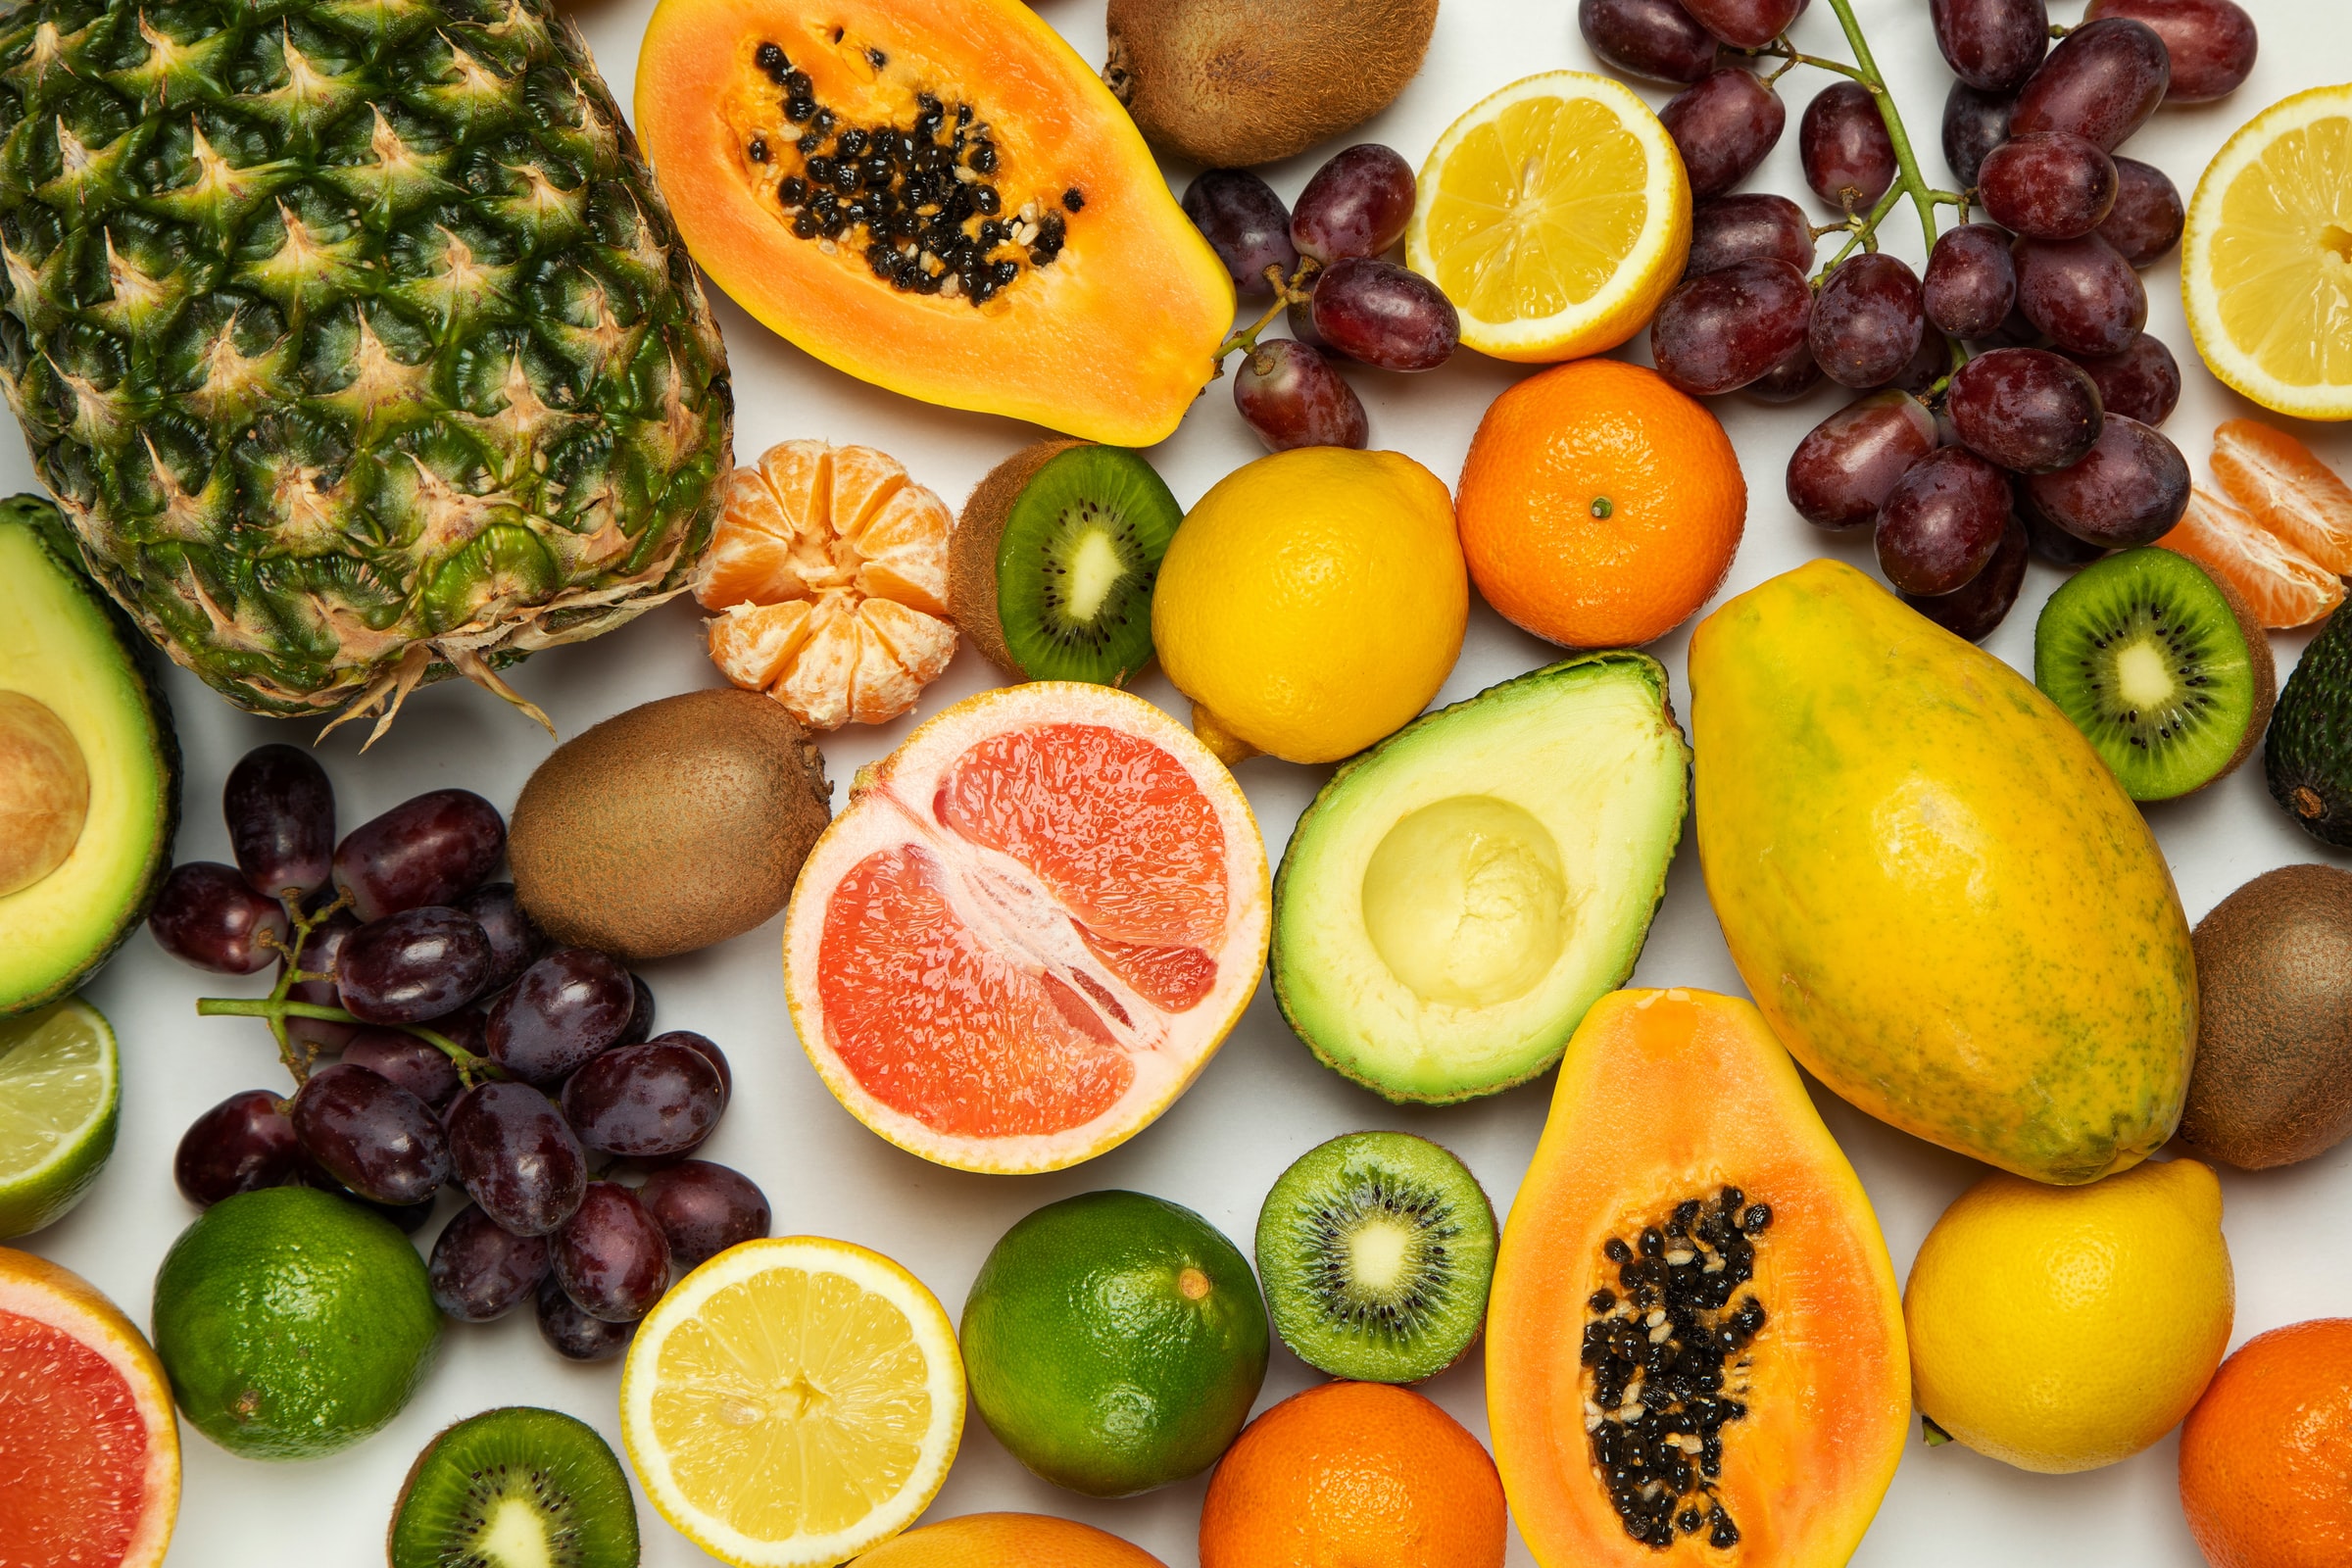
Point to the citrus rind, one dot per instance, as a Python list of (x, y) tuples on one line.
[(41, 1191)]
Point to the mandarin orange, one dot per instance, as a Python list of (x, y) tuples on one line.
[(1352, 1474), (2266, 1457), (1599, 507), (2281, 584), (2286, 487)]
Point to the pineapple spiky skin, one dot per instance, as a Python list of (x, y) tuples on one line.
[(353, 336)]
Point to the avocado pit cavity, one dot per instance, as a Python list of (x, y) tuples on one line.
[(1466, 901), (44, 792)]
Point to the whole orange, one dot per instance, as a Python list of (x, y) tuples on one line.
[(1599, 507), (2266, 1457), (1352, 1474)]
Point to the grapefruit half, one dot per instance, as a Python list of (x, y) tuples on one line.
[(89, 1449), (1029, 930)]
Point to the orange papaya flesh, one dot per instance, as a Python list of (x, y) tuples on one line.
[(1648, 1404), (937, 196)]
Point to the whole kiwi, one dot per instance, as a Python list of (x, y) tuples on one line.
[(2273, 1080), (1229, 83), (670, 827)]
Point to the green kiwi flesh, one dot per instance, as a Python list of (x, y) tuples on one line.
[(2162, 667), (1376, 1251), (1053, 564), (515, 1488)]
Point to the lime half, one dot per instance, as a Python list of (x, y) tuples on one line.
[(60, 1098)]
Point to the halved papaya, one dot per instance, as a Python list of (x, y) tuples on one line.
[(937, 196), (1695, 1346)]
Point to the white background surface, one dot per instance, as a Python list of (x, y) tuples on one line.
[(1263, 1101)]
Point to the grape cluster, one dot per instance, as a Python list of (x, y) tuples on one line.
[(1324, 266), (470, 1053), (2011, 393)]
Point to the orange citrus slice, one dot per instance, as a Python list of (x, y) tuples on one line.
[(2289, 491), (831, 567), (89, 1449), (2282, 585), (1029, 930)]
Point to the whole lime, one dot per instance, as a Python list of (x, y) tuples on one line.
[(293, 1323), (1115, 1343)]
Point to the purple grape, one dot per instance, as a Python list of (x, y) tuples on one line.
[(1723, 124), (1720, 331), (1941, 522), (708, 1048), (1388, 316), (2144, 383), (2047, 184), (610, 1257), (640, 1026), (422, 1070), (2044, 538), (409, 1217), (2210, 44), (480, 1273), (1922, 375), (1732, 228), (514, 941), (1843, 145), (2102, 82), (1653, 39), (2081, 292), (1970, 284), (1973, 610), (241, 1145), (281, 821), (413, 966), (1795, 374), (434, 849), (2147, 217), (571, 1333), (2027, 410), (1291, 397), (565, 1009), (516, 1156), (1868, 320), (1358, 203), (207, 915), (704, 1210), (1975, 123), (371, 1134), (1246, 224), (1992, 45), (645, 1100), (2129, 489), (1847, 465), (1744, 24), (321, 955)]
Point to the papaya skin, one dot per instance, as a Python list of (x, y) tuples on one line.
[(1112, 342), (1662, 1096), (1933, 886)]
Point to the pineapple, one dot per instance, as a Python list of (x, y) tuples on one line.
[(352, 335)]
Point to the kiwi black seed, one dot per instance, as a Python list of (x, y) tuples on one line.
[(2161, 666), (1376, 1251), (515, 1488), (1050, 568)]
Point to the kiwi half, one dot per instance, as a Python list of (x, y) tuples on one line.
[(2161, 666), (515, 1488), (1050, 568), (1376, 1251)]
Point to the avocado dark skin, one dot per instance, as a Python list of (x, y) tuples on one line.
[(2308, 755)]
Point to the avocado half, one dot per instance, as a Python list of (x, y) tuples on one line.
[(1458, 895), (89, 765)]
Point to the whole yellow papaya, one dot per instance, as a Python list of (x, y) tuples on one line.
[(1934, 887)]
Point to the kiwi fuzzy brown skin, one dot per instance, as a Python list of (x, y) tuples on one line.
[(972, 550), (1230, 83), (2273, 1079), (669, 827), (2266, 680)]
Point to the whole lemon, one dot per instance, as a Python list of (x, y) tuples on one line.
[(2063, 1328), (1311, 603)]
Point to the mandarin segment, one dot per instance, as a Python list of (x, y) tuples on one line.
[(2282, 585), (2287, 489), (829, 567)]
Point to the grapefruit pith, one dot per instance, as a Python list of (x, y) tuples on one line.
[(1029, 930)]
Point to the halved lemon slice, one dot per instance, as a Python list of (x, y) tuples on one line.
[(1555, 214), (2266, 262), (792, 1402)]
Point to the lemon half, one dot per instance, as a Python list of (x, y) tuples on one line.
[(2266, 262), (1555, 214)]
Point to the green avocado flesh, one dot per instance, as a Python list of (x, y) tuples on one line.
[(84, 738), (1455, 897)]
